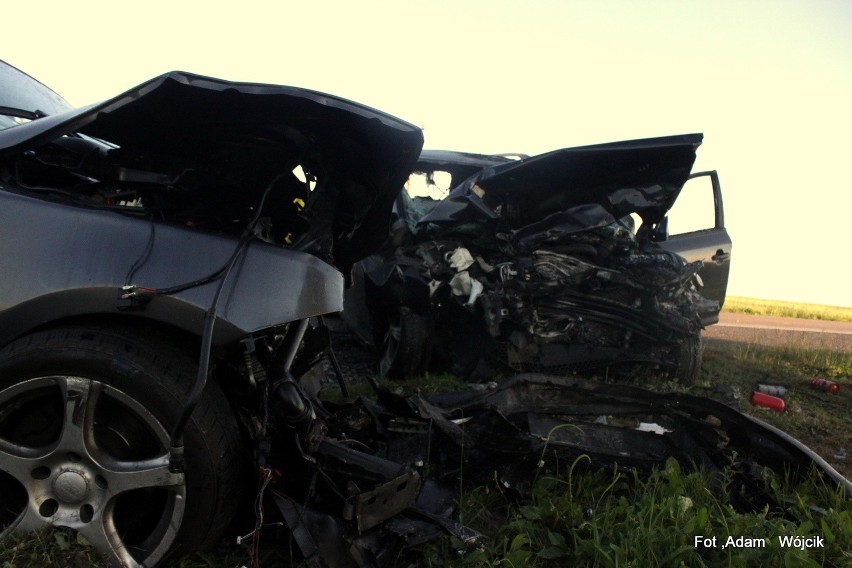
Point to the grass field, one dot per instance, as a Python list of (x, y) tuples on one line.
[(738, 305), (583, 517)]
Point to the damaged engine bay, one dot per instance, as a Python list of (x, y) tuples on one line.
[(534, 265)]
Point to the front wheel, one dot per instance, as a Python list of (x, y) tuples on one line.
[(85, 421)]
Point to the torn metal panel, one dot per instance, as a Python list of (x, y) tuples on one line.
[(697, 430), (502, 433), (370, 508)]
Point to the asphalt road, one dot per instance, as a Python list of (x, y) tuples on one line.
[(771, 330)]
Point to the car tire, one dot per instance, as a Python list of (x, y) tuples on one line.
[(690, 356), (407, 346), (85, 420)]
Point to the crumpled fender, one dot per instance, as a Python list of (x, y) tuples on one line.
[(78, 259)]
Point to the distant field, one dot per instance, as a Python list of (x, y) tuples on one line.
[(738, 305)]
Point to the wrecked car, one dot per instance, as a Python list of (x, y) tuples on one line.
[(168, 257), (163, 252), (559, 263)]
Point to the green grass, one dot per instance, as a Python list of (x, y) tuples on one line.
[(738, 305), (582, 517), (600, 518), (821, 420), (48, 549)]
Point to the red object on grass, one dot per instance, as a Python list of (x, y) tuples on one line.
[(767, 401), (826, 385)]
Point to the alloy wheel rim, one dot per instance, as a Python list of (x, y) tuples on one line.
[(89, 461)]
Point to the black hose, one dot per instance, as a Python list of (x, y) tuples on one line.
[(176, 450), (176, 460)]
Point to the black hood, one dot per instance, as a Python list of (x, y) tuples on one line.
[(200, 135), (637, 176)]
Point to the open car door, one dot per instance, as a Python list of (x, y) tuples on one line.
[(696, 227)]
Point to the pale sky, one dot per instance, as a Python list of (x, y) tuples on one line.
[(769, 83)]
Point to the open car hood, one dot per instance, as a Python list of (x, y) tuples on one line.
[(218, 144), (637, 176)]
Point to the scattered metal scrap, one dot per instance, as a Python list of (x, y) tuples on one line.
[(386, 474)]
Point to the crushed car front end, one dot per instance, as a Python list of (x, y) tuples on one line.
[(534, 264)]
